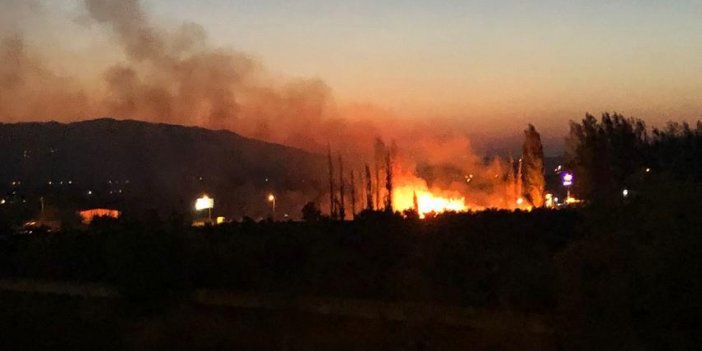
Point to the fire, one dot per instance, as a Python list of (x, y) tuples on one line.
[(87, 216), (426, 202)]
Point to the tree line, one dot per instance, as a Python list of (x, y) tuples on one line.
[(616, 153)]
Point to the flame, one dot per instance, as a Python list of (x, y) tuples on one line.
[(414, 195), (87, 216), (426, 201)]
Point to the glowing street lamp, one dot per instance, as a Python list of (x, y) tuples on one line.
[(205, 203), (567, 179), (271, 199)]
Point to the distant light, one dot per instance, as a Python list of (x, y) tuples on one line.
[(90, 192), (520, 201), (266, 180), (567, 179), (625, 192), (50, 182), (648, 170), (572, 200), (549, 200), (204, 203), (220, 220), (70, 182), (271, 197), (2, 201)]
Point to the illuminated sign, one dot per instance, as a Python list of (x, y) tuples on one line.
[(204, 203)]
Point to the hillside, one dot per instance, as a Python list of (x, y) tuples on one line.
[(141, 166)]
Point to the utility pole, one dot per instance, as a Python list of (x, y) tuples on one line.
[(271, 199)]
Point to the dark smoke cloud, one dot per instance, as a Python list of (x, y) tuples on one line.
[(176, 76)]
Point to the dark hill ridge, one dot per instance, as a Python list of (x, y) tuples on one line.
[(140, 165)]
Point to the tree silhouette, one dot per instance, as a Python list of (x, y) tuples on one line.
[(369, 189), (342, 206), (533, 167), (388, 182), (353, 195), (311, 212), (332, 197), (604, 154)]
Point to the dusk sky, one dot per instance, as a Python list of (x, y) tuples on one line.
[(476, 58), (488, 63)]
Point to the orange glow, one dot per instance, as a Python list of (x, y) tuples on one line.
[(475, 194), (88, 215), (427, 202)]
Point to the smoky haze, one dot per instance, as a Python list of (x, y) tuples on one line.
[(173, 74)]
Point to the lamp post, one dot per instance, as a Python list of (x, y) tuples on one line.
[(567, 182), (271, 199), (205, 203)]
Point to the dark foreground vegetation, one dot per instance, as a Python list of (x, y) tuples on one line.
[(45, 322), (487, 259), (622, 272), (619, 276)]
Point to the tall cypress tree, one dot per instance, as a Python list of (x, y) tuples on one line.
[(533, 167)]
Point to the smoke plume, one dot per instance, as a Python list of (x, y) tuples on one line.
[(175, 75)]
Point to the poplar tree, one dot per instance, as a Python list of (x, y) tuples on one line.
[(533, 167)]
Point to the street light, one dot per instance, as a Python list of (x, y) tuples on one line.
[(567, 179), (205, 203), (271, 199)]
